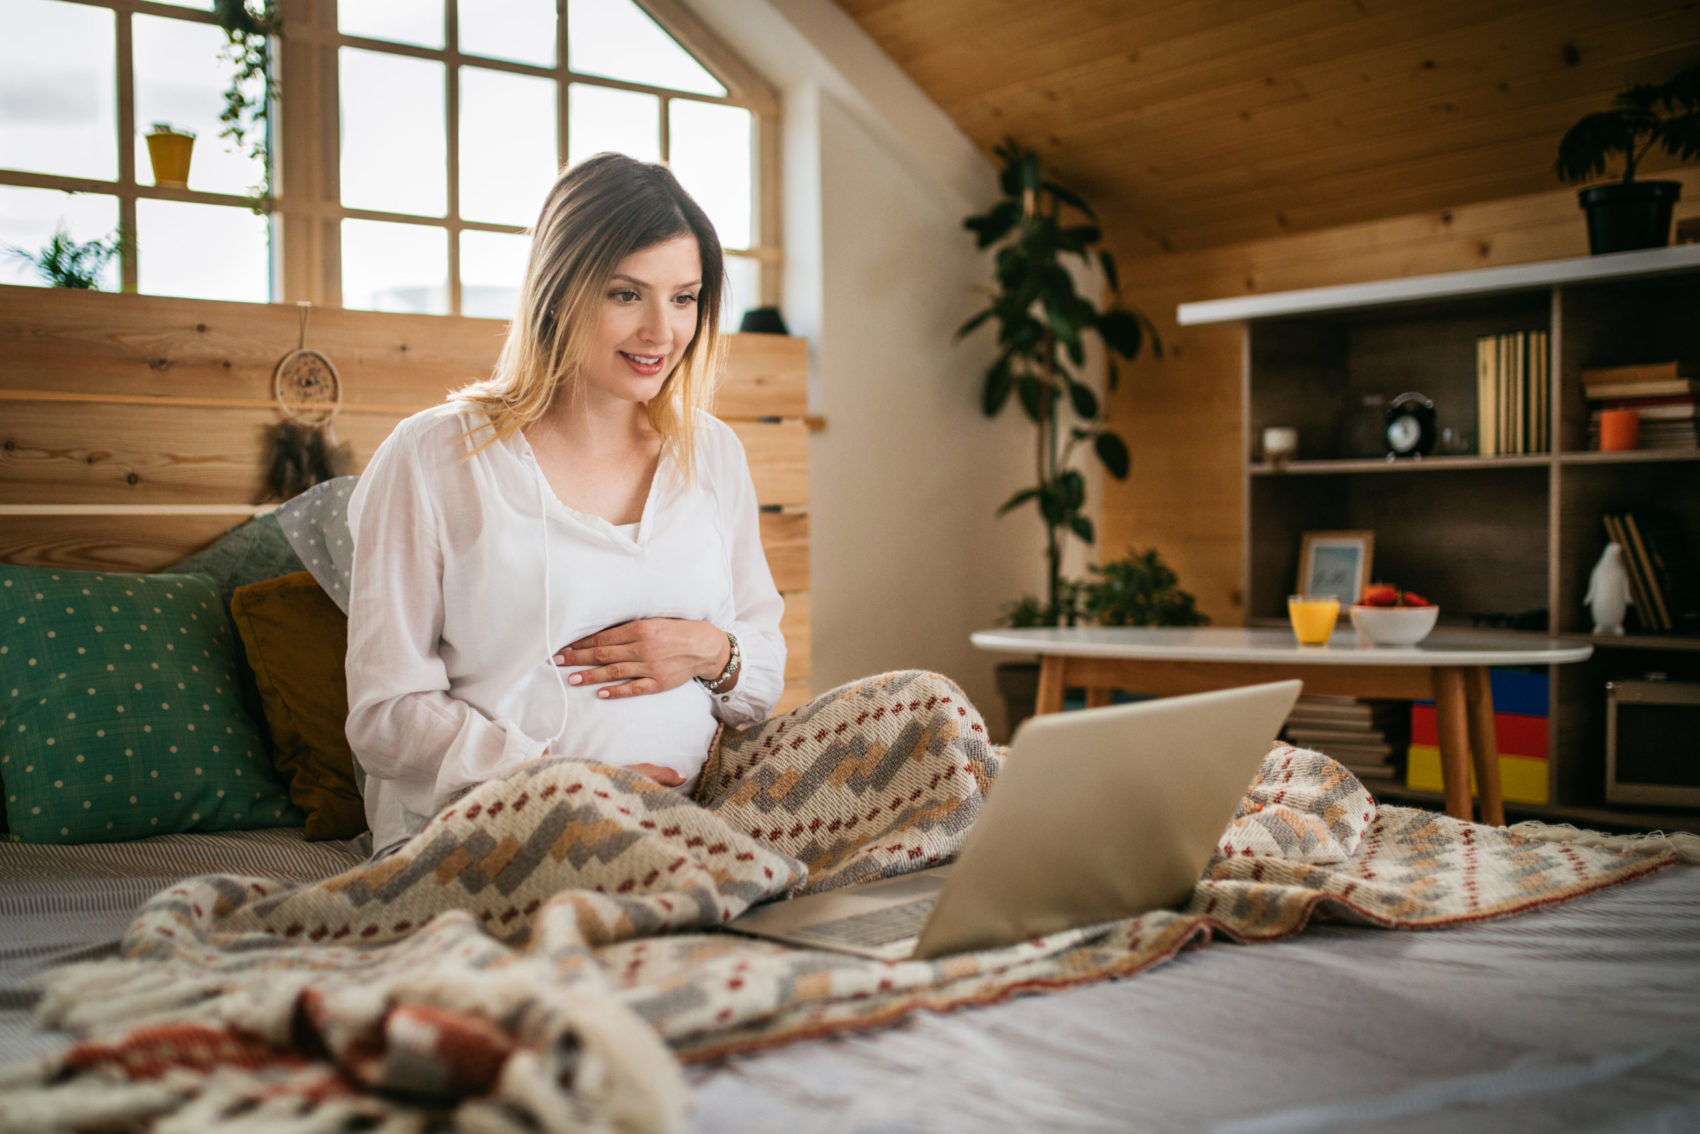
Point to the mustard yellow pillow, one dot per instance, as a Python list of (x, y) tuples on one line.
[(296, 640)]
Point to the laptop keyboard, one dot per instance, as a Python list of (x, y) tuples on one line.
[(874, 928)]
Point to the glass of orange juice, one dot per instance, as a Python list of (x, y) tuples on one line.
[(1313, 617)]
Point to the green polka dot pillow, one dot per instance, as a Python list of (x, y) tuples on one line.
[(119, 711)]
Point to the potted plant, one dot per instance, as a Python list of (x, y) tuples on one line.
[(1138, 589), (1043, 323), (1629, 214), (170, 149), (64, 262)]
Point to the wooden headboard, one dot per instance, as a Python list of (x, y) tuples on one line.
[(132, 427)]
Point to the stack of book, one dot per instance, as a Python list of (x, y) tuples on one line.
[(1664, 589), (1513, 393), (1520, 733), (1365, 736), (1661, 393)]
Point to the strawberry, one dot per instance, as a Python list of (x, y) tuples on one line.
[(1412, 598), (1381, 594)]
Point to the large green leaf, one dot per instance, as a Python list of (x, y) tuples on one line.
[(1108, 263), (999, 382), (1017, 501), (1085, 401), (1112, 450), (990, 227), (1078, 238), (1115, 375), (1082, 527), (967, 328), (1068, 196), (1032, 394), (1052, 505), (1072, 486), (1122, 332)]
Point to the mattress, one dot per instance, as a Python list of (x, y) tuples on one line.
[(1584, 1016)]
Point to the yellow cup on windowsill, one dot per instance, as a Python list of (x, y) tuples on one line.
[(1313, 617)]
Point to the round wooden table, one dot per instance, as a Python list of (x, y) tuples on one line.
[(1450, 666)]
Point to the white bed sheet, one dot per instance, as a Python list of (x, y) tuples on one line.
[(1584, 1016)]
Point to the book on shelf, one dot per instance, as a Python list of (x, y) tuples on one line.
[(1645, 372), (1674, 388), (1640, 604), (1648, 409), (1664, 585), (1513, 393)]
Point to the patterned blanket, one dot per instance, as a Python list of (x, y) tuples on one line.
[(545, 953)]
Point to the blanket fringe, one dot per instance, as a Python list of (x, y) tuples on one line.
[(1683, 844), (88, 1103), (86, 998)]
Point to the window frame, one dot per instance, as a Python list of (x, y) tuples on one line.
[(306, 210)]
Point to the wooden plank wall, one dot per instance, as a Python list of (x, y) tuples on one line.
[(132, 427), (1181, 416)]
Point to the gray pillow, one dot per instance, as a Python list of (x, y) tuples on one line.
[(316, 525), (251, 552)]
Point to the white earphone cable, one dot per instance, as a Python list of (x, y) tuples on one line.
[(548, 620)]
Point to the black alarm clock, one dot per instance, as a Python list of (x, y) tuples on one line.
[(1410, 426)]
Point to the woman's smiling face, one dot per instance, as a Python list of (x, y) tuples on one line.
[(648, 318)]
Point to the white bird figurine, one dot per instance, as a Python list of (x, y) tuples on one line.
[(1608, 591)]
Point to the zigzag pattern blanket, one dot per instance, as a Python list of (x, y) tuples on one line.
[(546, 951)]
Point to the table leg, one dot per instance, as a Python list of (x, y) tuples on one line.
[(1098, 696), (1452, 722), (1051, 689), (1484, 747)]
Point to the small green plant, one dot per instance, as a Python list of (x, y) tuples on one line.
[(249, 26), (1138, 590), (1043, 323), (168, 128), (1031, 610), (1646, 115), (64, 262)]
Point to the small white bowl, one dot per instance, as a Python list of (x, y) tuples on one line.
[(1393, 625)]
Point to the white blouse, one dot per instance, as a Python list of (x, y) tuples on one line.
[(469, 574)]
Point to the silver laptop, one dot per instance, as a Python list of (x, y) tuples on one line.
[(1096, 815)]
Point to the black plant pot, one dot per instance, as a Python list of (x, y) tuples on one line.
[(1624, 216)]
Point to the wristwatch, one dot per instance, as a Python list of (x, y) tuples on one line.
[(714, 685)]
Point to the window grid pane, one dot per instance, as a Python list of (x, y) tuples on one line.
[(30, 217), (57, 82), (609, 119), (180, 80), (388, 266), (507, 145), (202, 252), (710, 152), (520, 30), (394, 133), (618, 40), (418, 22)]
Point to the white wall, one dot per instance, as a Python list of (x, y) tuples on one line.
[(908, 556)]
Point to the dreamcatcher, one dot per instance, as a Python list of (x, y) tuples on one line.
[(303, 449)]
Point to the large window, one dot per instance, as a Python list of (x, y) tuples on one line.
[(413, 142)]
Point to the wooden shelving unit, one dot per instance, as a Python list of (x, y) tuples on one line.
[(1507, 535)]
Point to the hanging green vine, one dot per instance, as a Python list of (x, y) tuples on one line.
[(249, 26)]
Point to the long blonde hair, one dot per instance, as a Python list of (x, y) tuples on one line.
[(599, 212)]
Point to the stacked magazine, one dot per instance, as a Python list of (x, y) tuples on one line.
[(1366, 736)]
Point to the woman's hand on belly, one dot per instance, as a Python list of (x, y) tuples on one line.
[(649, 655), (666, 777)]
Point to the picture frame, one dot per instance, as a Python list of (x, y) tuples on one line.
[(1336, 563)]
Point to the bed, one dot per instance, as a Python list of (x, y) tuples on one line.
[(1583, 1012), (1583, 1016)]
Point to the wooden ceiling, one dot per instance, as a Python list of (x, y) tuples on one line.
[(1198, 123)]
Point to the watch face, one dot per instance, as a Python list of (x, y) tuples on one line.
[(1403, 434)]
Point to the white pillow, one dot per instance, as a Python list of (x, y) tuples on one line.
[(316, 525)]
